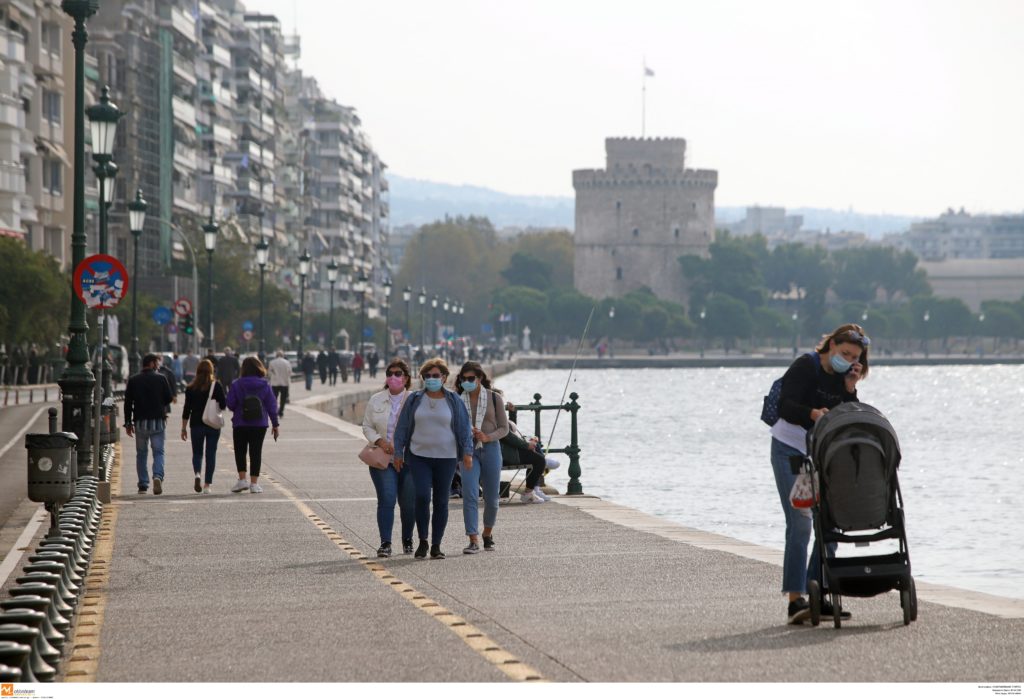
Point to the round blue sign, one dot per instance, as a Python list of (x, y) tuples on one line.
[(247, 326), (162, 315)]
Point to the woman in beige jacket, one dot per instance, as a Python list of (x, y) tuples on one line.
[(391, 484)]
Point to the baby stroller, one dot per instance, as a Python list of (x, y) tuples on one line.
[(854, 453)]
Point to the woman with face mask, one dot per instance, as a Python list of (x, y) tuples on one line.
[(432, 435), (379, 421), (489, 424), (814, 383)]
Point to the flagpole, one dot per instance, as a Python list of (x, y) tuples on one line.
[(643, 103)]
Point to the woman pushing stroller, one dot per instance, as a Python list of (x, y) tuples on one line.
[(814, 383)]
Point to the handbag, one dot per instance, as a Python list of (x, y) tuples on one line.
[(374, 457), (212, 415)]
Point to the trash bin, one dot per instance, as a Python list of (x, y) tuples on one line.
[(51, 466), (109, 433)]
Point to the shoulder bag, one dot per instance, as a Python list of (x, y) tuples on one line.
[(212, 414)]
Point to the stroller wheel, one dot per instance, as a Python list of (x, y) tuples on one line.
[(905, 603), (837, 608), (814, 595)]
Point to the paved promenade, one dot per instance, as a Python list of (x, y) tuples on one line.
[(284, 586)]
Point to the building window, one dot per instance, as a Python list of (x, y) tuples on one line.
[(53, 176), (618, 273), (122, 249), (50, 37), (54, 242), (52, 106), (636, 232), (676, 232)]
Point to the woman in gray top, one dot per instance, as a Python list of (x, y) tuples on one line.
[(432, 435)]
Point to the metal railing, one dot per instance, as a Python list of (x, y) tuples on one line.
[(573, 448)]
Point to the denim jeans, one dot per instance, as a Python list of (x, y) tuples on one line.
[(433, 479), (149, 433), (487, 470), (204, 438), (799, 526), (309, 381), (393, 486)]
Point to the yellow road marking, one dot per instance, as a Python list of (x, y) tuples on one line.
[(507, 663), (85, 648)]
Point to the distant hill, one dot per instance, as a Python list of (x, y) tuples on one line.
[(417, 202)]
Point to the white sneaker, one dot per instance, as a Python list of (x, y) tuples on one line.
[(541, 494), (255, 488), (530, 497), (206, 490), (241, 485)]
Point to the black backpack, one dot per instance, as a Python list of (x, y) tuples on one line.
[(252, 408)]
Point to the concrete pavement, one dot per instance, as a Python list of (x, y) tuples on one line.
[(284, 586)]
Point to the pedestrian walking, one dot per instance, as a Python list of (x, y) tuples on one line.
[(147, 398), (189, 365), (253, 409), (321, 366), (432, 436), (379, 421), (343, 366), (489, 423), (332, 365), (168, 374), (357, 366), (308, 364), (280, 380), (178, 368), (814, 383), (228, 368), (203, 388), (373, 361)]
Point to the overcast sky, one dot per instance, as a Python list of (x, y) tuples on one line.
[(903, 107)]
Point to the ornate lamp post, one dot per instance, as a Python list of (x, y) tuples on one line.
[(262, 249), (210, 230), (359, 286), (77, 381), (136, 221), (332, 279), (926, 318), (611, 319), (105, 170), (796, 333), (387, 318), (703, 331), (407, 296), (433, 322), (422, 298), (444, 320), (303, 271)]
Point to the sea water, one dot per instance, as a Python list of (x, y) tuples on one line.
[(688, 445)]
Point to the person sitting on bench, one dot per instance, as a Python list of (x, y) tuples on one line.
[(516, 450)]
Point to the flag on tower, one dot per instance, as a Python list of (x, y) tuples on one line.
[(648, 73)]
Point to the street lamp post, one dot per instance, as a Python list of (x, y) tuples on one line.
[(387, 318), (407, 296), (136, 221), (422, 298), (433, 322), (611, 319), (303, 271), (796, 332), (981, 335), (359, 286), (703, 331), (262, 248), (926, 318), (210, 230), (444, 322), (332, 279)]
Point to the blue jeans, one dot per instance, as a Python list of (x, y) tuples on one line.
[(798, 527), (309, 381), (204, 438), (392, 487), (486, 469), (149, 433), (433, 480)]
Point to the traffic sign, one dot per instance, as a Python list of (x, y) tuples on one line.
[(162, 315), (172, 329), (183, 306), (100, 281), (247, 326), (247, 335)]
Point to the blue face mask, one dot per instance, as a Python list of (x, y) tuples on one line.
[(433, 384), (469, 386), (839, 364)]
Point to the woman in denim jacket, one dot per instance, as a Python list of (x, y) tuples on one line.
[(431, 436)]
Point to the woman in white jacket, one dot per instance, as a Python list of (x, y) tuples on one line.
[(392, 485)]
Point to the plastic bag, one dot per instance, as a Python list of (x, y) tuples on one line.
[(804, 493)]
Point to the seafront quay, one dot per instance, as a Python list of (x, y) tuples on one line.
[(284, 586)]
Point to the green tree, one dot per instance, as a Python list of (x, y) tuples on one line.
[(528, 305), (35, 296), (555, 248), (732, 268), (526, 270), (728, 318)]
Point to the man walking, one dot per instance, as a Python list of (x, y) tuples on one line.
[(308, 365), (332, 365), (189, 365), (228, 368), (147, 397), (280, 379)]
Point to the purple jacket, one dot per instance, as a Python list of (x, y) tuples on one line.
[(255, 386)]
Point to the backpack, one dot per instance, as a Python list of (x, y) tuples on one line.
[(252, 408), (770, 407)]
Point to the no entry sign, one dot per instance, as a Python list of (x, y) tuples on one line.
[(100, 281), (183, 306)]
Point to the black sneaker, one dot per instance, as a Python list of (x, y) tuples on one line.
[(406, 546), (472, 547), (158, 486), (799, 611), (828, 612), (489, 543), (143, 489), (421, 550), (436, 552), (197, 486), (385, 550)]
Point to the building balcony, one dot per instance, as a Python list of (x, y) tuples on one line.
[(221, 55), (49, 63), (184, 70), (185, 156), (183, 111), (12, 46), (12, 178), (182, 23), (11, 113)]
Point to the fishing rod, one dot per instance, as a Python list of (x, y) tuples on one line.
[(565, 390)]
